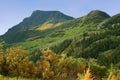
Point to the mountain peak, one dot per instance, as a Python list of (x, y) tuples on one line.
[(39, 12), (98, 12), (40, 17), (52, 16), (95, 16)]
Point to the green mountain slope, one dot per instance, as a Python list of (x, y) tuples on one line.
[(33, 39), (91, 19), (102, 43), (38, 18), (31, 25)]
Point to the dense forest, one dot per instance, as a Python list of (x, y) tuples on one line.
[(51, 66), (50, 45)]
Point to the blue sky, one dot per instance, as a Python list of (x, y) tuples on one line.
[(14, 11)]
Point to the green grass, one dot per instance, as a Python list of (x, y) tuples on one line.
[(49, 41)]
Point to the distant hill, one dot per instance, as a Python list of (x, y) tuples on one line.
[(93, 18), (39, 20), (44, 23), (40, 17)]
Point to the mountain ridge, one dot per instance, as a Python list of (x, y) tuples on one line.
[(25, 34), (39, 17)]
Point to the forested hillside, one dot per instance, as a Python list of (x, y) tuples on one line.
[(50, 45)]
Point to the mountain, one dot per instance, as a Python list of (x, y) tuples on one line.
[(92, 19), (43, 24), (38, 18), (38, 21), (90, 42), (95, 16), (94, 35)]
